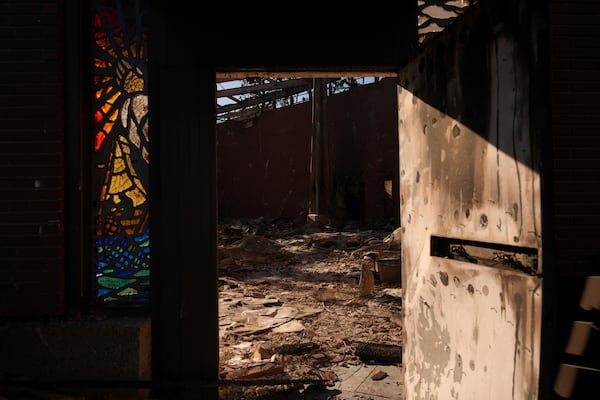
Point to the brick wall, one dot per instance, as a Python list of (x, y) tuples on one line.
[(31, 158), (575, 57)]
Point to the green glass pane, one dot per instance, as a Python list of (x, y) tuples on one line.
[(128, 292), (114, 283)]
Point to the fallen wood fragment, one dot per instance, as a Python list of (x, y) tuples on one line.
[(379, 375), (296, 348), (262, 371), (329, 377), (272, 382), (378, 352), (367, 281)]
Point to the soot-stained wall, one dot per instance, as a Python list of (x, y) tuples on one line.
[(471, 221)]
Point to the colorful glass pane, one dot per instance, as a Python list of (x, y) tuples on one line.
[(121, 152)]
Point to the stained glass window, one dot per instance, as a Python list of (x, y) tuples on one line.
[(121, 152)]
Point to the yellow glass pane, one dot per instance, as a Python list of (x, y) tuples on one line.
[(136, 196), (118, 152), (138, 184), (130, 165), (119, 165), (114, 97), (119, 183)]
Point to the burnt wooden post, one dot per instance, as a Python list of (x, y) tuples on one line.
[(321, 188)]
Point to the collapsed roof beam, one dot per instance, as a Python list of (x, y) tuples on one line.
[(253, 101), (264, 87)]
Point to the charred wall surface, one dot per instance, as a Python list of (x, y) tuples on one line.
[(470, 174)]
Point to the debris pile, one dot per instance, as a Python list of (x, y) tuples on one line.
[(296, 300)]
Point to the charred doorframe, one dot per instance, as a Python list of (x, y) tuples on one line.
[(184, 58), (186, 342)]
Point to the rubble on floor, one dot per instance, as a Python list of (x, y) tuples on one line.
[(299, 301)]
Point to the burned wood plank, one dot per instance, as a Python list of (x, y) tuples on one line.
[(272, 382), (262, 371), (296, 348), (379, 352)]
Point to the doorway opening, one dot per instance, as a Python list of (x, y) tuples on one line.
[(307, 234)]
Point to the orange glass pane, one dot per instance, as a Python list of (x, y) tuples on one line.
[(108, 127), (114, 115), (99, 139), (99, 63)]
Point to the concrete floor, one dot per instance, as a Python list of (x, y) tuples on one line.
[(356, 383)]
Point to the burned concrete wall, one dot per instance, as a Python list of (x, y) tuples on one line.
[(267, 162), (471, 208), (363, 126)]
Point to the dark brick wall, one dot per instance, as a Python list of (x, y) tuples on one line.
[(31, 158), (575, 58)]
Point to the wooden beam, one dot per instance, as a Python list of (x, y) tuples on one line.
[(265, 87)]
